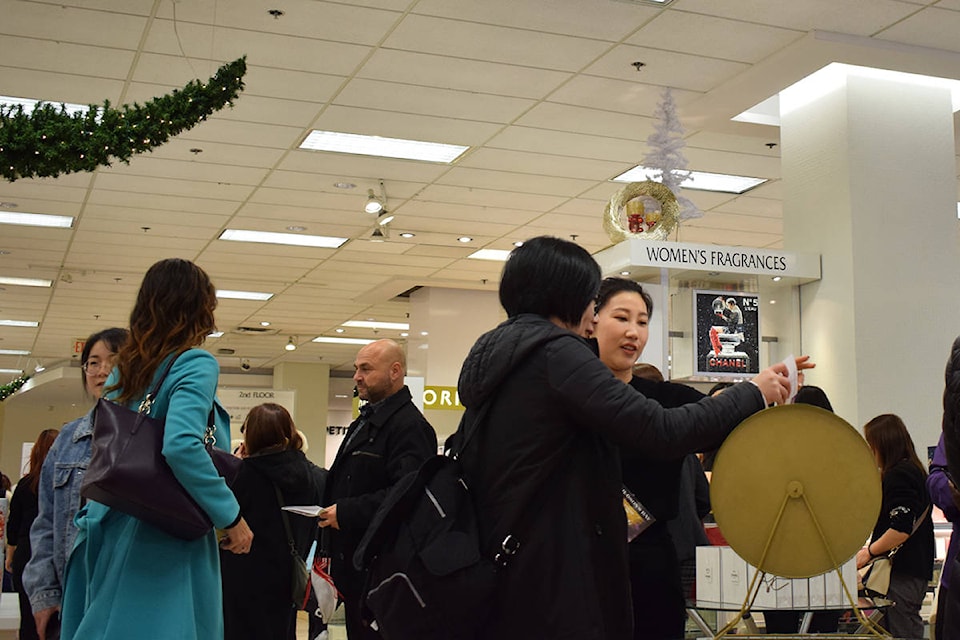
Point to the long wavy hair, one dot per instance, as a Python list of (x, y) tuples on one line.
[(37, 455), (173, 312), (887, 435)]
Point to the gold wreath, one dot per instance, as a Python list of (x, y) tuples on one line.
[(669, 211)]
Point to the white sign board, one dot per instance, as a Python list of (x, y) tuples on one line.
[(238, 402)]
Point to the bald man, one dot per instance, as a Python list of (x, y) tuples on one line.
[(389, 439)]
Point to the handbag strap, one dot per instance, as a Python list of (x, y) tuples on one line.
[(916, 526), (286, 521), (147, 401)]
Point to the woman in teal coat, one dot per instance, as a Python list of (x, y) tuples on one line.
[(126, 578)]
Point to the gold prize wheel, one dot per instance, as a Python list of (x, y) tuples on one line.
[(812, 465)]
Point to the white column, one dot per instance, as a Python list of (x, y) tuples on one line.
[(870, 183), (453, 319)]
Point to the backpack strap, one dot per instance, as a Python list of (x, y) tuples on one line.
[(510, 544)]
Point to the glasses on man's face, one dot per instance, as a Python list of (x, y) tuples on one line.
[(93, 367)]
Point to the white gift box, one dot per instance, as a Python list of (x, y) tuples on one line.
[(708, 574), (723, 578)]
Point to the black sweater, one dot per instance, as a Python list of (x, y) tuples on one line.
[(904, 499)]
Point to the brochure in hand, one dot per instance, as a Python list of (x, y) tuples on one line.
[(639, 517)]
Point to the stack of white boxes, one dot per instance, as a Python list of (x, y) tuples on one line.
[(723, 578)]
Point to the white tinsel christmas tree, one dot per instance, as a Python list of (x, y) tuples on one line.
[(665, 158)]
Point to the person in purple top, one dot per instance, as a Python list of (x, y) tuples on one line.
[(944, 494)]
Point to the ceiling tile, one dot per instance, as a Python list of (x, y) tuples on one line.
[(476, 41), (440, 71), (713, 37)]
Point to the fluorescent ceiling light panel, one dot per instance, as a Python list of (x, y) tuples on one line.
[(243, 295), (14, 371), (14, 352), (215, 334), (830, 78), (499, 255), (25, 282), (293, 239), (28, 104), (698, 180), (382, 147), (18, 323), (334, 340), (370, 324), (35, 219)]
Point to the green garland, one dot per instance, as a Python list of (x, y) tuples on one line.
[(7, 390), (49, 141)]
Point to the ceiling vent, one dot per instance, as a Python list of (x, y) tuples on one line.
[(255, 331)]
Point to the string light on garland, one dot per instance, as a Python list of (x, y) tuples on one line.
[(7, 390), (49, 141)]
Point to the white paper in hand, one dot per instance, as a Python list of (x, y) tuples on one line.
[(791, 363), (311, 511)]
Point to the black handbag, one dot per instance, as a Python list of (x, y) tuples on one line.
[(127, 470)]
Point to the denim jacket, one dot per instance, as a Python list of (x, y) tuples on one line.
[(53, 532)]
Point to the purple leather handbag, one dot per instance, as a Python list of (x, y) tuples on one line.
[(127, 470)]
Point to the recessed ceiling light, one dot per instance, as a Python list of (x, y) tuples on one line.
[(18, 323), (777, 278), (35, 219), (490, 254), (464, 239), (340, 395), (404, 334), (698, 180), (383, 147), (298, 240), (335, 340), (14, 352), (26, 282), (339, 330), (773, 302), (264, 324), (243, 295), (624, 273), (344, 185), (407, 234), (518, 243), (13, 371), (372, 324), (296, 228), (424, 333), (215, 334)]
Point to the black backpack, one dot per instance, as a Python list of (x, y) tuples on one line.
[(428, 577)]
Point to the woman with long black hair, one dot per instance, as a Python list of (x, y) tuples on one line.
[(904, 524)]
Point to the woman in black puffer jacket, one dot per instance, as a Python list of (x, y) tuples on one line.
[(544, 465)]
